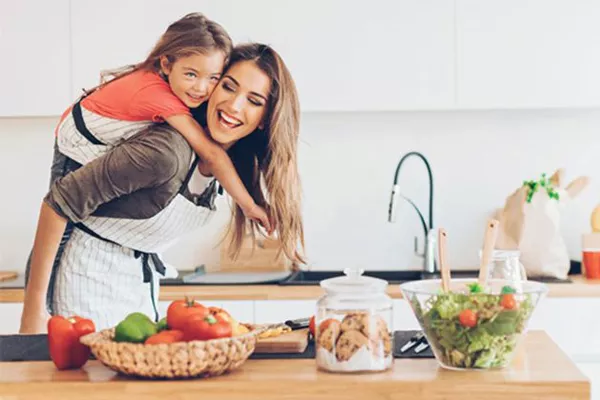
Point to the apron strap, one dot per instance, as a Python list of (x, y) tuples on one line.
[(80, 124), (189, 175)]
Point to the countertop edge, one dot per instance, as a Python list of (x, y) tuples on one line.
[(580, 288)]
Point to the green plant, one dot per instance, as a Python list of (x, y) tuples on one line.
[(544, 183)]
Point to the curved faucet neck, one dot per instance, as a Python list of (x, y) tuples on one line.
[(422, 157)]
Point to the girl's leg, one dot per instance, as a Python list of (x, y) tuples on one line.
[(61, 166)]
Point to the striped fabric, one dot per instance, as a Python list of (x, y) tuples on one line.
[(154, 234), (102, 281), (108, 130)]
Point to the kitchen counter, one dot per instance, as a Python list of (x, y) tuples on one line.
[(540, 371), (579, 288)]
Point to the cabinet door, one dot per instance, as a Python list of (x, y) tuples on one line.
[(275, 311), (10, 315), (379, 56), (527, 53), (35, 68)]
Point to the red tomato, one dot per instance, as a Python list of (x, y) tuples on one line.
[(323, 325), (311, 325), (508, 302), (208, 327), (180, 311), (219, 312), (170, 336), (467, 318)]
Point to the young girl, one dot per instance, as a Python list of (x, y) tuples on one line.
[(178, 74)]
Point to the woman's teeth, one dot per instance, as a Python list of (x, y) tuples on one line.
[(228, 120)]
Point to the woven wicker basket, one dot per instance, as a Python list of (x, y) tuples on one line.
[(176, 360)]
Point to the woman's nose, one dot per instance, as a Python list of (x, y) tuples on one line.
[(237, 103)]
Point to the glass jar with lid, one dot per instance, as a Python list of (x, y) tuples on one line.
[(353, 324), (506, 265)]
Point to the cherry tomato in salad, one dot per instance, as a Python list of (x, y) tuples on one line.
[(467, 318), (508, 302)]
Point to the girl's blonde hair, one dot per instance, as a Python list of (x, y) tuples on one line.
[(268, 157), (190, 35)]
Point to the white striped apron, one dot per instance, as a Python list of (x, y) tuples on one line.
[(94, 134), (104, 272)]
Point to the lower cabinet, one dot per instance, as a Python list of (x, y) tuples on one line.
[(10, 318), (279, 311)]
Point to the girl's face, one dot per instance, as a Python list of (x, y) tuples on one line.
[(238, 104), (193, 78)]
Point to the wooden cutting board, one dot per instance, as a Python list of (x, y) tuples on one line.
[(292, 342), (7, 275)]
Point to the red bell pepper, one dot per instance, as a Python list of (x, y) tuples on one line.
[(63, 341)]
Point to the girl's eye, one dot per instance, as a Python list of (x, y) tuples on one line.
[(214, 78), (190, 74), (257, 103)]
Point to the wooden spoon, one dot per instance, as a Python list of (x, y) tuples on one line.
[(443, 264), (489, 242)]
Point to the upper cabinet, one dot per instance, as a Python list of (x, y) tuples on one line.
[(527, 53), (35, 72), (344, 57)]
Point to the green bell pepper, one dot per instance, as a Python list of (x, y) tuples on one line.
[(135, 328)]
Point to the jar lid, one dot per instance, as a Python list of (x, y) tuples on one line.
[(354, 282)]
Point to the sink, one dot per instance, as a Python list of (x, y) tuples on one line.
[(315, 277), (305, 278)]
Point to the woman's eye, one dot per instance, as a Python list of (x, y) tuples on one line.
[(255, 102), (190, 74), (227, 87)]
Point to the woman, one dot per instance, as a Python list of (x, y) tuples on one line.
[(134, 201)]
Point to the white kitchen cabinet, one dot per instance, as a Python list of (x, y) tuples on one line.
[(10, 315), (572, 323), (403, 317), (35, 69), (274, 311), (527, 53), (380, 55)]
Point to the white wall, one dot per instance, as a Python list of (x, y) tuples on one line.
[(347, 163)]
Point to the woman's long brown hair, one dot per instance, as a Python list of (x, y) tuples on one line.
[(266, 160)]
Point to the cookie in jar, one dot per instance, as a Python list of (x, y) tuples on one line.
[(353, 327)]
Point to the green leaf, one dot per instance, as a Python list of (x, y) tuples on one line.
[(507, 289), (505, 323)]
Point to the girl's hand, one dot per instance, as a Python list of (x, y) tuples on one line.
[(258, 214), (34, 322)]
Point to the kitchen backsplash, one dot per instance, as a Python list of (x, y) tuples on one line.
[(347, 162)]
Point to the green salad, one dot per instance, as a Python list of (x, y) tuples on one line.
[(474, 329)]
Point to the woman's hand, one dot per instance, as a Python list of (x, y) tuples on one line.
[(33, 322), (258, 214)]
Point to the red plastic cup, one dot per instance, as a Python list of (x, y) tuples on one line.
[(591, 263)]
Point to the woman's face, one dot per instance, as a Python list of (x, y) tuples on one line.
[(238, 104)]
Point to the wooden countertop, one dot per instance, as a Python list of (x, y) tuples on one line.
[(541, 371), (579, 288)]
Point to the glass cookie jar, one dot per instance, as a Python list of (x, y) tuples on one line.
[(353, 324)]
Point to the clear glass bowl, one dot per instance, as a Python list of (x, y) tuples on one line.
[(473, 330)]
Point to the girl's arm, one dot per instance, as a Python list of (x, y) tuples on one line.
[(47, 239), (220, 165)]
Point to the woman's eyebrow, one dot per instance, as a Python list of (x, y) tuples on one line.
[(238, 84)]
